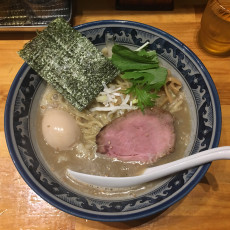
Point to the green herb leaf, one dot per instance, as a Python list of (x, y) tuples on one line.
[(142, 69), (155, 78), (145, 98), (127, 60), (148, 54)]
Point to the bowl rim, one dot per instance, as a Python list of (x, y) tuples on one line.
[(127, 217)]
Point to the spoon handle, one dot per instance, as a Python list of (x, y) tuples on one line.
[(154, 172), (197, 159)]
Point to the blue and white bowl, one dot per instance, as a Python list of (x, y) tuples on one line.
[(204, 108)]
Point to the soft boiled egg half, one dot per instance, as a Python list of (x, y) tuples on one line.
[(60, 129)]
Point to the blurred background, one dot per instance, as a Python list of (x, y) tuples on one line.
[(31, 15)]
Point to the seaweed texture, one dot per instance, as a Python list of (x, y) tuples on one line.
[(69, 62)]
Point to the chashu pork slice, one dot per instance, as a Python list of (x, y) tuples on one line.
[(138, 136)]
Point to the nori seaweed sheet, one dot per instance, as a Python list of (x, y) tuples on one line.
[(69, 62)]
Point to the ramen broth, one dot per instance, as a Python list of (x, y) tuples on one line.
[(83, 157)]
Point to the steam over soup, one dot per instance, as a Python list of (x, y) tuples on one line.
[(81, 154)]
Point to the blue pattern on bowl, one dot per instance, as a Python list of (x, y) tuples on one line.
[(201, 90)]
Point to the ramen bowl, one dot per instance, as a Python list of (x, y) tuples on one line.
[(204, 105)]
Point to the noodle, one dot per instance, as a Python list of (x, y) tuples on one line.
[(83, 157), (172, 98), (91, 122), (169, 96)]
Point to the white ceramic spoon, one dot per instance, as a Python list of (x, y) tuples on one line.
[(154, 173)]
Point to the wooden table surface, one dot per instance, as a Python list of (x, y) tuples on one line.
[(207, 206)]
